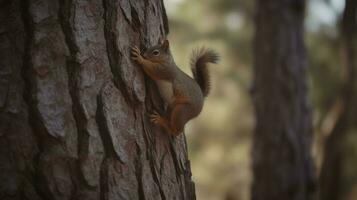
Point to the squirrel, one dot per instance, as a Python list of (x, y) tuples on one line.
[(183, 94)]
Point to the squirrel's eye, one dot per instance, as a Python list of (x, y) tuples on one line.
[(156, 52)]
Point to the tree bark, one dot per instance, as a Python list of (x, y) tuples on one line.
[(282, 164), (73, 106), (330, 180)]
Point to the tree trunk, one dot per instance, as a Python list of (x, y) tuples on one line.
[(331, 170), (73, 106), (282, 164)]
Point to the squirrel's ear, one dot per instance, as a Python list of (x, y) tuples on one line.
[(165, 45)]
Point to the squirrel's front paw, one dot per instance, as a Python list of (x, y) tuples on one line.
[(136, 54)]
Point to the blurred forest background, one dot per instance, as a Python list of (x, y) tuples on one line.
[(220, 138)]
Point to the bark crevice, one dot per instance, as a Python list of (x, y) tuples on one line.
[(103, 129), (66, 15), (114, 55)]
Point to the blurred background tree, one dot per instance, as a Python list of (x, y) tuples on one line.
[(220, 139), (331, 178), (282, 165)]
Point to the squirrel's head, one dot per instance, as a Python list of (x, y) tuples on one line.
[(159, 53)]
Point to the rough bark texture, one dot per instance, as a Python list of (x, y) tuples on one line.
[(282, 165), (330, 180), (73, 106)]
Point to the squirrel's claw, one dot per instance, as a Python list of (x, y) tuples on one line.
[(135, 50), (156, 118), (136, 54)]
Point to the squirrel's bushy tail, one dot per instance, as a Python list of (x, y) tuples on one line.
[(199, 60)]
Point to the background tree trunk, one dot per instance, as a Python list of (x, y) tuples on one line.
[(73, 106), (282, 165), (331, 170)]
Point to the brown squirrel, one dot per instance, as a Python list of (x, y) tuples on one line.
[(183, 95)]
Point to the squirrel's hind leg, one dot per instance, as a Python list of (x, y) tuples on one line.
[(180, 115)]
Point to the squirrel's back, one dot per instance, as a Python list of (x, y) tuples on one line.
[(199, 61)]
